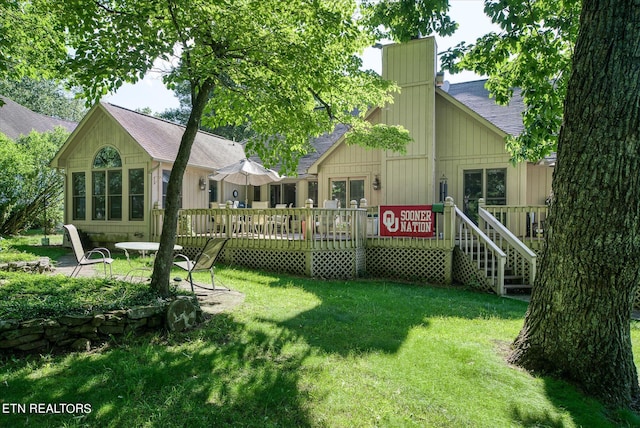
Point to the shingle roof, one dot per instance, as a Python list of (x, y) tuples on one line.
[(161, 139), (475, 96), (321, 144), (16, 120)]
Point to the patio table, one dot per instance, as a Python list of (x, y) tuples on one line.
[(143, 248)]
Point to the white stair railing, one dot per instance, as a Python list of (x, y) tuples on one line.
[(520, 254), (473, 241)]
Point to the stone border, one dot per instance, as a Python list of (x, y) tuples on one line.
[(42, 265), (78, 332)]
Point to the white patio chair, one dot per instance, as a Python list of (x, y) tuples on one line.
[(91, 257)]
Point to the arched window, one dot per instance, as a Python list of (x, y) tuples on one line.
[(106, 189)]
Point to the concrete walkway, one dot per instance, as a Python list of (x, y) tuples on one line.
[(211, 301)]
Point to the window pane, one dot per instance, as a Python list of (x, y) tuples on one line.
[(313, 192), (136, 181), (78, 190), (136, 194), (356, 190), (472, 183), (165, 183), (496, 187), (98, 195), (289, 194), (108, 157), (339, 192), (115, 195)]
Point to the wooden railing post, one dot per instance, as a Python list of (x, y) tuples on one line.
[(449, 232)]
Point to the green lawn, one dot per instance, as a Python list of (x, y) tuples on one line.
[(316, 353)]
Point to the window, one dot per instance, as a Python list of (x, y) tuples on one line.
[(312, 192), (79, 195), (136, 194), (490, 184), (106, 194), (213, 191), (284, 193), (166, 174), (355, 191)]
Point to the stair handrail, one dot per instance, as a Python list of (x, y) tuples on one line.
[(484, 239), (519, 246)]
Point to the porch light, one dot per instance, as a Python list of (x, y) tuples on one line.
[(376, 183), (443, 188), (202, 184)]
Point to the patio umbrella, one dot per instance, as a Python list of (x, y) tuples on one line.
[(247, 172)]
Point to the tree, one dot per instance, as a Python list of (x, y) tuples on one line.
[(46, 97), (286, 67), (577, 326), (31, 40), (29, 186), (578, 322), (181, 115)]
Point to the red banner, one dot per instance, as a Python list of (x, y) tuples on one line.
[(407, 220)]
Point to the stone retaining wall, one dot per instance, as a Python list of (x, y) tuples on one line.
[(77, 333), (41, 265)]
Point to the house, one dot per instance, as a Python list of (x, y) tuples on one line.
[(117, 164), (458, 149), (16, 120)]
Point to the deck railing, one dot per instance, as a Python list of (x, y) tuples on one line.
[(488, 257), (277, 228)]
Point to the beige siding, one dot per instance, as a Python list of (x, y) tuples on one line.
[(408, 178), (538, 183), (464, 142), (98, 132)]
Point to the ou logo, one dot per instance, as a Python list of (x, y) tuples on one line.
[(390, 221)]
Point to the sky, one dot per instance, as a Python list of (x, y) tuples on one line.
[(472, 23)]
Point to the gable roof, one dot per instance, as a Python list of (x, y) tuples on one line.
[(16, 120), (475, 96), (161, 139), (322, 144)]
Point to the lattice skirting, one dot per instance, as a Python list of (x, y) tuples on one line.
[(340, 264), (271, 260), (467, 273), (430, 265)]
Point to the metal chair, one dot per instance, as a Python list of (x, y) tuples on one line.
[(204, 261), (87, 258)]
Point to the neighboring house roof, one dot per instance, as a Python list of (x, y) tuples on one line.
[(16, 120), (475, 96), (161, 139)]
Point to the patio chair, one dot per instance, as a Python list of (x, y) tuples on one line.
[(91, 257), (204, 261)]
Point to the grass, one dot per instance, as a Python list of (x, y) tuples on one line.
[(310, 353)]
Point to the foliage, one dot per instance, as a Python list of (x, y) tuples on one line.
[(408, 19), (31, 40), (28, 183), (532, 52), (181, 115), (24, 296), (293, 73), (45, 97)]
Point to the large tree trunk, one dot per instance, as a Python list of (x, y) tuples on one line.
[(578, 323), (164, 258)]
